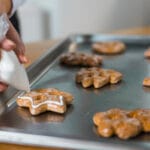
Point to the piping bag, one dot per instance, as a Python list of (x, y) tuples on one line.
[(11, 71)]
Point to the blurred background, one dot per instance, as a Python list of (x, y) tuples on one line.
[(47, 19)]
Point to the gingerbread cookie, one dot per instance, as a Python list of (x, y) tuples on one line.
[(114, 47), (52, 91), (97, 77), (147, 53), (40, 101), (47, 117), (123, 123), (127, 128), (81, 59), (115, 121), (146, 82), (143, 115)]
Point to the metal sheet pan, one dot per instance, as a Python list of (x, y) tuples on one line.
[(75, 129)]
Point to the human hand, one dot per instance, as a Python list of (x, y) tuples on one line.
[(13, 42), (19, 48)]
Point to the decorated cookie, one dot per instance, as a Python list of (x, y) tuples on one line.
[(41, 100)]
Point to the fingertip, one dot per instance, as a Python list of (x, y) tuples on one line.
[(23, 59)]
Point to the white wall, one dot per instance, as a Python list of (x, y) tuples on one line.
[(37, 19), (86, 16)]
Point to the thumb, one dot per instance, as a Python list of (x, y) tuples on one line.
[(7, 44)]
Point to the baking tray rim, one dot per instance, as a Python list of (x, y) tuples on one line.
[(59, 142), (24, 138)]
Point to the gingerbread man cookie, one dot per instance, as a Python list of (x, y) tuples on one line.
[(45, 100), (97, 77), (81, 59), (114, 47)]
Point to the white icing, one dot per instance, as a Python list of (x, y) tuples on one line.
[(49, 101)]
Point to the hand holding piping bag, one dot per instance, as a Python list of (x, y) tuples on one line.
[(11, 71)]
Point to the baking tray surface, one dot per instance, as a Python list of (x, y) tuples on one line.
[(75, 129)]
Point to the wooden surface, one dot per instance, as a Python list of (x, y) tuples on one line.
[(34, 50), (21, 147), (134, 31)]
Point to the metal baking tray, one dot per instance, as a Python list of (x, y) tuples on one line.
[(75, 129)]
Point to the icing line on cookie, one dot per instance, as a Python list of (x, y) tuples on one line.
[(60, 103)]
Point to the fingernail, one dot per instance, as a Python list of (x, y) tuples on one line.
[(9, 44), (23, 59)]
